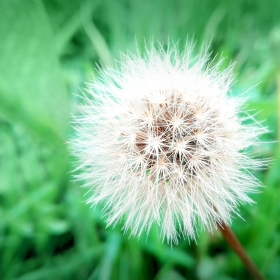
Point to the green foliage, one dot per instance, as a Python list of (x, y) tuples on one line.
[(48, 49)]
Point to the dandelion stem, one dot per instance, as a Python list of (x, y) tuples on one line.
[(239, 250)]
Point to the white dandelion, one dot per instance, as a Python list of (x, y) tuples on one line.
[(160, 140)]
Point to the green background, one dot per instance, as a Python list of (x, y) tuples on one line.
[(48, 49)]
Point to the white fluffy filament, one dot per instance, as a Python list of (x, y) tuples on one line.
[(160, 141)]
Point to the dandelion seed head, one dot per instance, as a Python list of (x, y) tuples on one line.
[(160, 140)]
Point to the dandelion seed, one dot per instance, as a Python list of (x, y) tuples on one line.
[(161, 141)]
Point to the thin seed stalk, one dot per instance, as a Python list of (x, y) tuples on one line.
[(239, 250)]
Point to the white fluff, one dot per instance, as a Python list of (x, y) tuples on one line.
[(161, 141)]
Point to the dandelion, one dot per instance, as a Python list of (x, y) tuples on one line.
[(160, 140)]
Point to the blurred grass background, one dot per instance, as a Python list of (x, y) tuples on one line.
[(48, 49)]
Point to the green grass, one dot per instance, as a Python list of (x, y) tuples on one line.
[(48, 50)]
